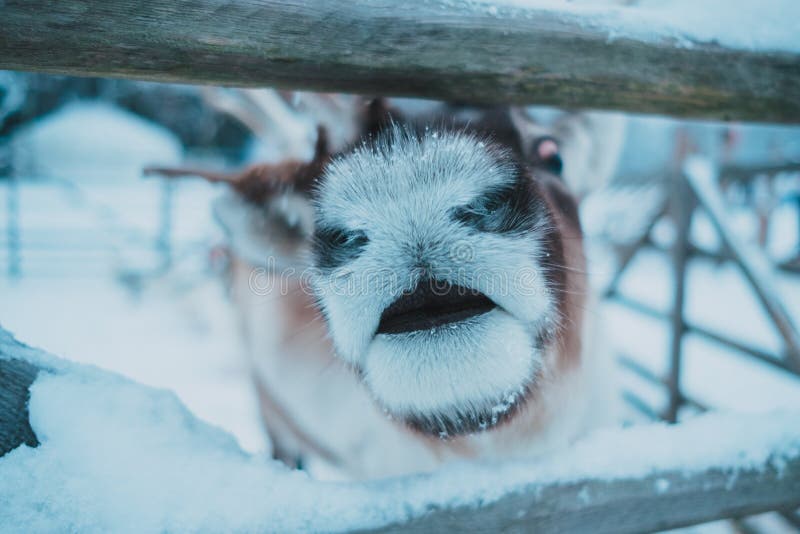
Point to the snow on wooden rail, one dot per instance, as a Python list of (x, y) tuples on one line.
[(115, 455), (722, 62)]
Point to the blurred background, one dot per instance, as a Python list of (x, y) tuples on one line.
[(105, 266)]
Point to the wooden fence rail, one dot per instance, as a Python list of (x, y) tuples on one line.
[(453, 50)]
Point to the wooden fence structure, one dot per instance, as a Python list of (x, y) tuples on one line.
[(451, 50), (695, 187), (473, 53)]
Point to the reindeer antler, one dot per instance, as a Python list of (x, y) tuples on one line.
[(257, 183)]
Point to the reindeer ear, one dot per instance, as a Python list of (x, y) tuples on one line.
[(539, 148), (545, 153)]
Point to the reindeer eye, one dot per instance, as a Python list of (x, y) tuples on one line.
[(500, 210), (334, 246)]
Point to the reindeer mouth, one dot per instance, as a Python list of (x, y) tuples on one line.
[(454, 422), (433, 304)]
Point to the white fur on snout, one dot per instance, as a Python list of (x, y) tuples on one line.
[(402, 196), (451, 370)]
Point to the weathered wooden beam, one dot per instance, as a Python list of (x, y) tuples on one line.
[(444, 49), (660, 501)]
